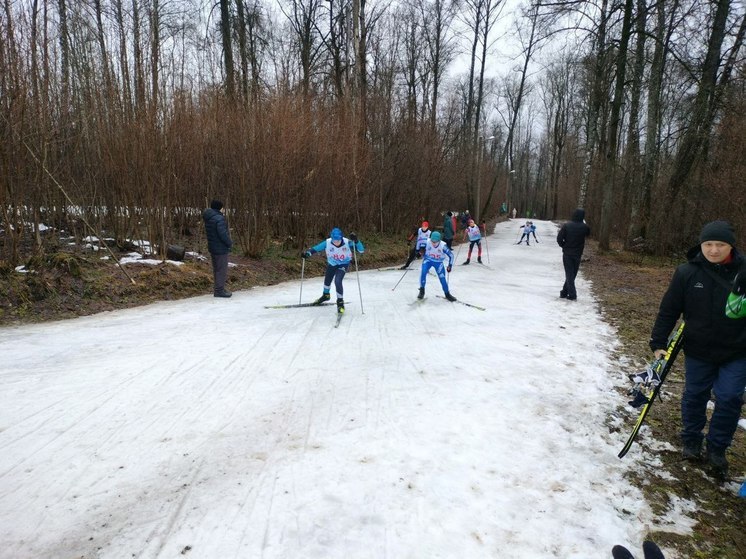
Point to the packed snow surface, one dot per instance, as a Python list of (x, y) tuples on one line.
[(218, 428)]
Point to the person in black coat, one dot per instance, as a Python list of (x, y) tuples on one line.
[(219, 244), (715, 345), (571, 238)]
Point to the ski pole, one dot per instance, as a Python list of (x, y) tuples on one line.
[(486, 244), (357, 274), (401, 278), (302, 271)]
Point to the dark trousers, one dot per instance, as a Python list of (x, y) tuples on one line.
[(449, 242), (219, 271), (412, 255), (572, 265), (727, 383), (337, 274)]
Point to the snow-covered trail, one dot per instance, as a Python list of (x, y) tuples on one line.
[(219, 429)]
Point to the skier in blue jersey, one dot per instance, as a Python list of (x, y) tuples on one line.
[(338, 249), (435, 254)]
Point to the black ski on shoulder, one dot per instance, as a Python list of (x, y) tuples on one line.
[(661, 368)]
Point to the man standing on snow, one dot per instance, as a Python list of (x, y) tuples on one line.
[(219, 244), (571, 238), (449, 230), (706, 291)]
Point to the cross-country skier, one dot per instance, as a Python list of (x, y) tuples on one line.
[(714, 343), (475, 238), (435, 255), (420, 237), (526, 232), (533, 231), (338, 249)]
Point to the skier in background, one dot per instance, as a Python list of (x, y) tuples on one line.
[(571, 237), (338, 251), (703, 291), (475, 238), (435, 254), (533, 231), (420, 236), (219, 245), (526, 232)]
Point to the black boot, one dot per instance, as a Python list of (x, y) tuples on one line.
[(467, 261), (692, 450), (479, 259), (340, 305), (717, 461), (324, 297), (450, 297), (421, 294)]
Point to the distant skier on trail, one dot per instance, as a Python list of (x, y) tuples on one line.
[(435, 254), (475, 238), (526, 232), (571, 237), (704, 290), (338, 249), (420, 237), (219, 245)]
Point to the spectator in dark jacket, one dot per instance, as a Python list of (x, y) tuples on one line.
[(219, 244), (449, 229), (571, 238), (715, 345)]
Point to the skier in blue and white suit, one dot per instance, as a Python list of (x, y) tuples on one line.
[(435, 255), (338, 249)]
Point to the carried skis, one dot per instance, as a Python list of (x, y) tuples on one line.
[(297, 305), (464, 303), (647, 391)]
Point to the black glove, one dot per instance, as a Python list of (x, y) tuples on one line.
[(305, 254), (739, 284), (353, 237)]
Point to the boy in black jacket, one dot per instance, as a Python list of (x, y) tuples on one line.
[(715, 345), (219, 244), (571, 238)]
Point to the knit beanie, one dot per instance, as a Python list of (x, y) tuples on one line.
[(216, 205), (718, 231)]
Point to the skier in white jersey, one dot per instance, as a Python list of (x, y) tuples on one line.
[(435, 255), (475, 238), (338, 250), (421, 235)]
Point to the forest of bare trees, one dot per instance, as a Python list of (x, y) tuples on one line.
[(130, 115)]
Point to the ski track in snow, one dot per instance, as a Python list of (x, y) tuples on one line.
[(411, 431)]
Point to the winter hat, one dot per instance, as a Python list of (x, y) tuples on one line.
[(216, 205), (425, 225), (336, 234), (435, 237), (718, 231)]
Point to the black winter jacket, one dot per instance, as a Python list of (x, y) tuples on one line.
[(218, 239), (571, 236), (698, 296)]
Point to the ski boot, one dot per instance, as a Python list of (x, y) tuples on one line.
[(340, 305), (421, 294), (479, 259), (467, 261), (450, 297), (324, 297)]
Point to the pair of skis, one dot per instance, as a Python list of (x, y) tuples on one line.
[(649, 392)]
